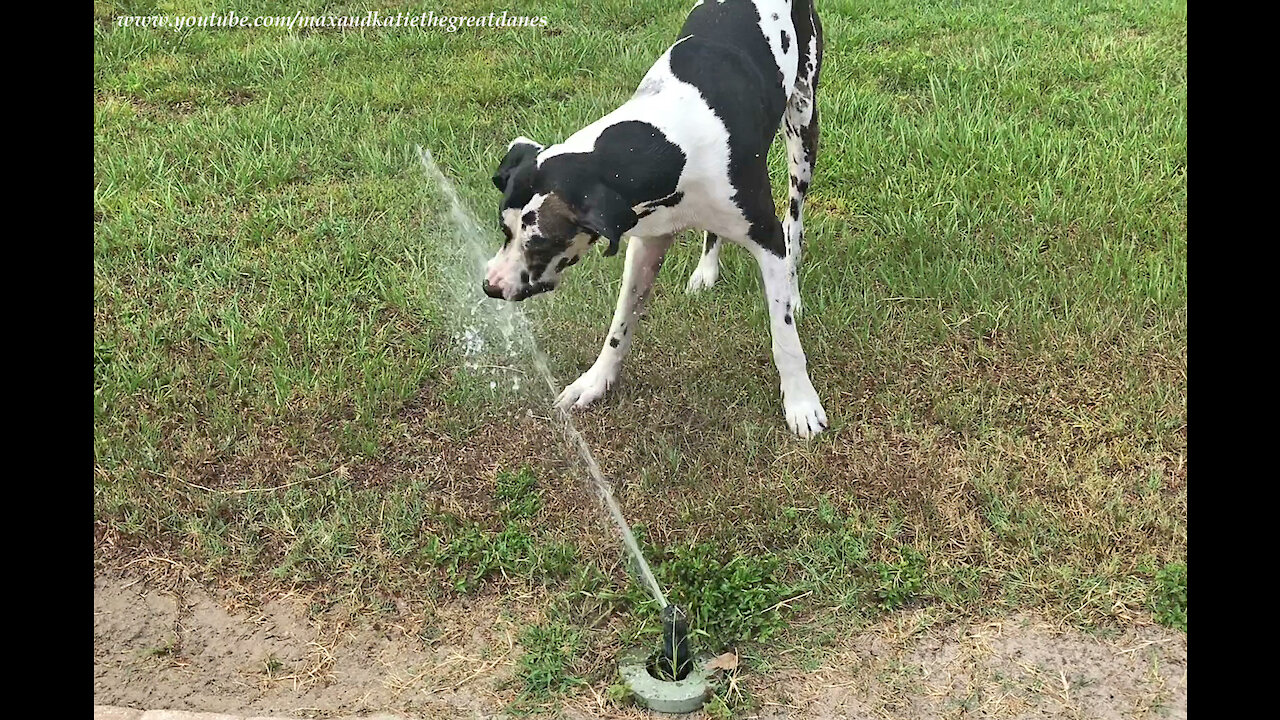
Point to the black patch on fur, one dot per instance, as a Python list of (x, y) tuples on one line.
[(514, 176), (669, 201), (632, 164), (786, 42), (795, 209), (539, 252), (808, 30), (613, 342), (529, 218), (787, 318), (557, 220)]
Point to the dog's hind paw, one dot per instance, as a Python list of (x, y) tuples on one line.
[(588, 388), (702, 278), (805, 415)]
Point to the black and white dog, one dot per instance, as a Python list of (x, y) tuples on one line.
[(688, 150)]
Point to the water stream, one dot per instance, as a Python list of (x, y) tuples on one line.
[(496, 328)]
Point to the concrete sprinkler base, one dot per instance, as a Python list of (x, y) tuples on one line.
[(680, 696)]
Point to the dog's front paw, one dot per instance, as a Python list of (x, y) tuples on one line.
[(588, 388), (804, 412)]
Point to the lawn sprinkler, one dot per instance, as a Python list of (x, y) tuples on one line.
[(671, 680)]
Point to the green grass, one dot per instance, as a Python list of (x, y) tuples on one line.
[(544, 666), (995, 317), (1170, 596)]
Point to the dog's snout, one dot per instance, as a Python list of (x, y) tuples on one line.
[(492, 291)]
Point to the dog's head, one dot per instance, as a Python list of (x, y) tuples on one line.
[(548, 224)]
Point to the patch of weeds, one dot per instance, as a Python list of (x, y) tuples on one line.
[(272, 667), (900, 581), (620, 695), (730, 698), (555, 560), (730, 598), (544, 668), (717, 709), (1169, 597), (474, 554)]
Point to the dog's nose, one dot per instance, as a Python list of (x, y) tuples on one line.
[(492, 291)]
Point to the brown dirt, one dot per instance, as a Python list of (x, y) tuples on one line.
[(1018, 667), (194, 650)]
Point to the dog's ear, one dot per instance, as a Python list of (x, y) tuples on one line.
[(520, 151), (607, 214)]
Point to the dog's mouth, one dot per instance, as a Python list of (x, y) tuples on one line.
[(523, 293)]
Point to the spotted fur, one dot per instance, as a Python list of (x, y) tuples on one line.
[(688, 150)]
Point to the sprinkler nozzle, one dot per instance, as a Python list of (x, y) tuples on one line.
[(675, 660)]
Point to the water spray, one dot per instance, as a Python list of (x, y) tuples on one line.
[(670, 680)]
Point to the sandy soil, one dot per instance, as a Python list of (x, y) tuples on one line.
[(190, 650)]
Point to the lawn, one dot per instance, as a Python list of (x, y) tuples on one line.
[(995, 317)]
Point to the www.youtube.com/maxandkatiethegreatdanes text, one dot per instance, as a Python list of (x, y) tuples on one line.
[(429, 20)]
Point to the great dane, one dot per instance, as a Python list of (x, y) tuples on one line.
[(688, 150)]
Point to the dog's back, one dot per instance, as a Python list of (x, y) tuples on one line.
[(744, 57)]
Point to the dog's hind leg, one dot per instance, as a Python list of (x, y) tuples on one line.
[(708, 270), (644, 258), (801, 124)]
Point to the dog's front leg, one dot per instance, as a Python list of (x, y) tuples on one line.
[(644, 258), (800, 401)]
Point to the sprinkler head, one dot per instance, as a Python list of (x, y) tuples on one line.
[(675, 660), (671, 680)]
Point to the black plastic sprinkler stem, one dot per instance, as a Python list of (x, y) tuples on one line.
[(675, 660)]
